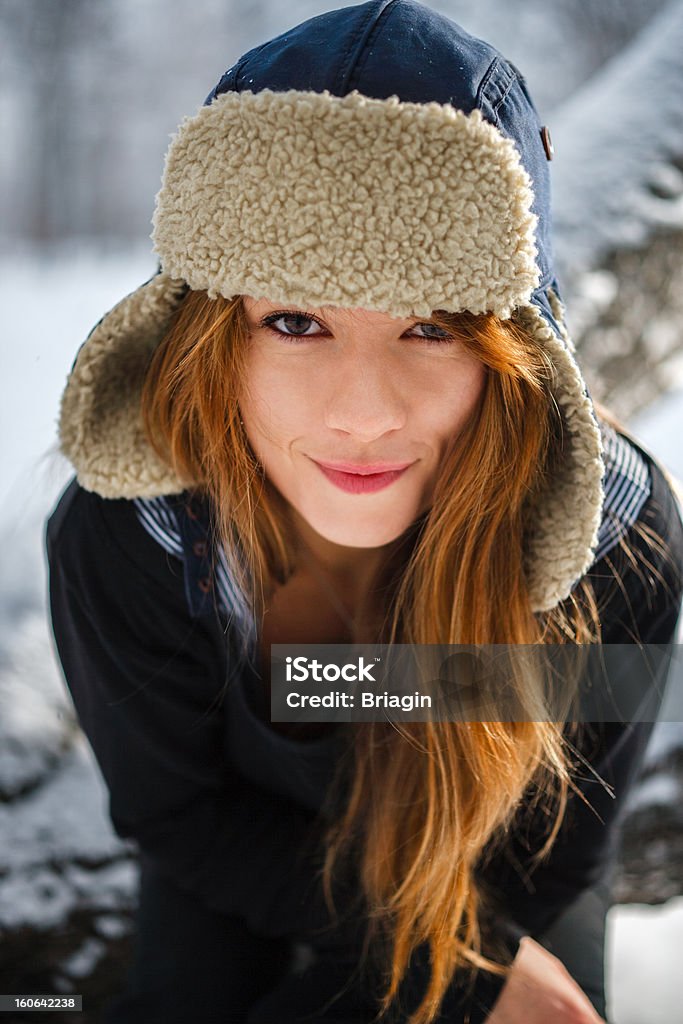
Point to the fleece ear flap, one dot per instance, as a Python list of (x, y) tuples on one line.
[(568, 512), (100, 422)]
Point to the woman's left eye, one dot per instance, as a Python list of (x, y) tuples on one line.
[(304, 322), (272, 319), (443, 336)]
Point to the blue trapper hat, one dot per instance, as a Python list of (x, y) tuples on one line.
[(403, 48), (374, 156)]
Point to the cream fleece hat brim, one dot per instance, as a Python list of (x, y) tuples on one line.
[(347, 201), (313, 199)]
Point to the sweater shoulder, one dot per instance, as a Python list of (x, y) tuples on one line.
[(84, 527)]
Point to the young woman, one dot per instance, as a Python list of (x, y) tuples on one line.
[(346, 409)]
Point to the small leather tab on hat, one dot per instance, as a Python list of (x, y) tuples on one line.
[(547, 142)]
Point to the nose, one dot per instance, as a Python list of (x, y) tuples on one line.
[(365, 397)]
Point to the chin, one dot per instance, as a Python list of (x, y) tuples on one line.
[(349, 535)]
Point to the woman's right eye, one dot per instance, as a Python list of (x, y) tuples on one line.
[(297, 325)]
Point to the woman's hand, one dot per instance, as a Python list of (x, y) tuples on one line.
[(539, 989)]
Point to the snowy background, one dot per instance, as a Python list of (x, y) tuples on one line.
[(89, 93)]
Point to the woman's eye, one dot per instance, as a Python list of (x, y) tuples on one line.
[(295, 324), (441, 336)]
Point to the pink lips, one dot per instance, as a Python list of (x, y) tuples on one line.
[(357, 479)]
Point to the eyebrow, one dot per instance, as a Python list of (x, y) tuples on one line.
[(325, 311)]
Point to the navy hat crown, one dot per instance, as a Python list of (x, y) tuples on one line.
[(403, 48)]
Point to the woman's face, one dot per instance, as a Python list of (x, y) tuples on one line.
[(359, 388)]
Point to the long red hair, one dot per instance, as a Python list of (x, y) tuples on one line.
[(421, 801)]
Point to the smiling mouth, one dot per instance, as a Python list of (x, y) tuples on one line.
[(361, 483), (367, 469)]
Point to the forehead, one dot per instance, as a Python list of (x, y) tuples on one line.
[(347, 314)]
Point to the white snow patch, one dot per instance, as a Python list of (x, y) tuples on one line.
[(64, 818), (112, 926), (36, 719), (613, 181), (34, 897), (83, 962), (656, 791), (666, 738), (111, 887), (62, 984), (44, 897), (643, 954)]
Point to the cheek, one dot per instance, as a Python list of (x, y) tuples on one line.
[(274, 399), (457, 397), (475, 384)]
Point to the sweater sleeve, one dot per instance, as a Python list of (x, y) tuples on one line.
[(639, 600), (146, 682)]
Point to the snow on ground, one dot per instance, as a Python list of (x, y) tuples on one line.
[(58, 851), (36, 722), (59, 825), (643, 952)]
